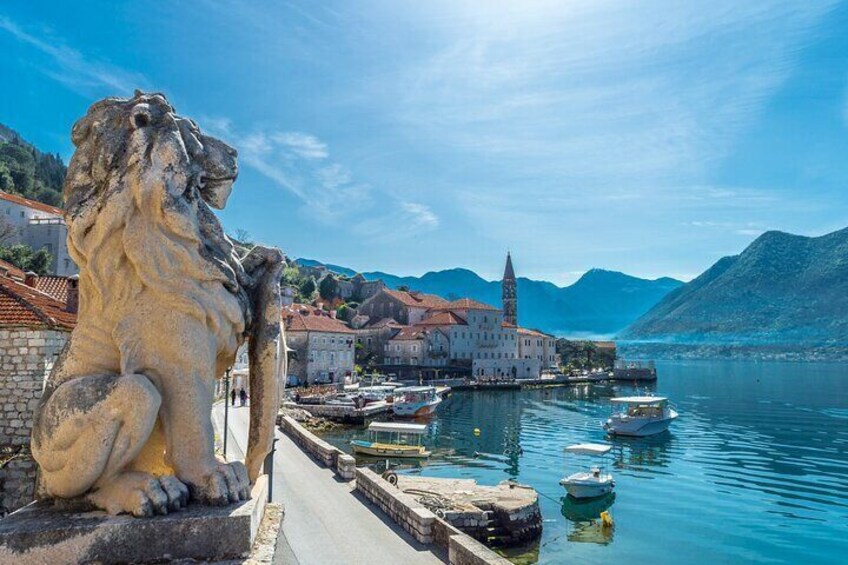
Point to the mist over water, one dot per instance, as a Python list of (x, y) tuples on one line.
[(755, 468)]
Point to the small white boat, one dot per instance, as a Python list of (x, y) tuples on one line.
[(644, 416), (394, 445), (415, 401), (376, 393), (593, 483)]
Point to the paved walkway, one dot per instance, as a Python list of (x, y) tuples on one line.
[(325, 522)]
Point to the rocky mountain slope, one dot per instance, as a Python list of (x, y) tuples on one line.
[(783, 289)]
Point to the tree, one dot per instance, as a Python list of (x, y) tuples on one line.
[(242, 236), (328, 287), (25, 258), (8, 231), (307, 288)]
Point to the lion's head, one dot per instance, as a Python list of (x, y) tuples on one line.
[(117, 132), (139, 186)]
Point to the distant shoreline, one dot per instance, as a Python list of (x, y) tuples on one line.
[(712, 351)]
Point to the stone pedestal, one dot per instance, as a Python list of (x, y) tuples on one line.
[(43, 534)]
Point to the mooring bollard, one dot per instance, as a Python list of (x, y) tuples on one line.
[(269, 469)]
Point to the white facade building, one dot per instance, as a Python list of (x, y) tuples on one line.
[(39, 226)]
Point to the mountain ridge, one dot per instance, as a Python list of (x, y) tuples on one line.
[(598, 304), (782, 289)]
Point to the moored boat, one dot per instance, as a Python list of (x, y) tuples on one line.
[(592, 483), (415, 401), (393, 444), (643, 416)]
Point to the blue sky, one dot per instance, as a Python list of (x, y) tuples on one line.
[(651, 138)]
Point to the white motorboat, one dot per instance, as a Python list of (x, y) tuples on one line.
[(415, 401), (643, 416), (593, 483)]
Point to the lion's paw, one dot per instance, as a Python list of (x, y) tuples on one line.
[(141, 494), (227, 483)]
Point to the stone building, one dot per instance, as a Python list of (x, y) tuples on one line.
[(538, 347), (323, 345), (38, 226), (34, 327), (405, 307), (416, 349), (371, 339)]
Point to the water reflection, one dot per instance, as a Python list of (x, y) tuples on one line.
[(585, 510), (757, 459)]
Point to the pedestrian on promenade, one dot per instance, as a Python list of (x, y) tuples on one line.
[(243, 397), (233, 396)]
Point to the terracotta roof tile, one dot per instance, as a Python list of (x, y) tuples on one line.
[(22, 305), (416, 299), (57, 287), (303, 318), (530, 332), (443, 318), (11, 271), (467, 304), (409, 333), (14, 198)]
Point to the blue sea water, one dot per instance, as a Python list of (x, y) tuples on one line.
[(754, 470)]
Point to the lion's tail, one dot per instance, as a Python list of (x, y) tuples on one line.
[(267, 356)]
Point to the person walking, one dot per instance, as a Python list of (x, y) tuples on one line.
[(233, 396), (243, 397)]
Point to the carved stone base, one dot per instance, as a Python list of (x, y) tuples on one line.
[(42, 533)]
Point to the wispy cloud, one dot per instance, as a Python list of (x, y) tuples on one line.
[(70, 67), (300, 163)]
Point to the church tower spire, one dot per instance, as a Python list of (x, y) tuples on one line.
[(509, 293)]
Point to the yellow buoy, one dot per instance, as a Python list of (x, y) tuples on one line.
[(606, 519), (476, 431)]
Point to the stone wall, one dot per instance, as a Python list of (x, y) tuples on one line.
[(407, 512), (332, 457), (422, 524), (26, 356)]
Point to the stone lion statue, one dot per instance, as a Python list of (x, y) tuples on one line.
[(125, 419)]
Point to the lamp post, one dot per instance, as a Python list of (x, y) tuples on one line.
[(226, 406), (269, 469)]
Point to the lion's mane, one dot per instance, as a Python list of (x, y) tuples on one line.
[(139, 230)]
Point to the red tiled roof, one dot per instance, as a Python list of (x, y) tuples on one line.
[(409, 333), (416, 299), (57, 287), (11, 271), (467, 304), (31, 203), (443, 318), (383, 322), (508, 325), (535, 333), (22, 305), (303, 318)]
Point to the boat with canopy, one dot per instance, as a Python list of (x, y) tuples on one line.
[(392, 439), (642, 416), (594, 482)]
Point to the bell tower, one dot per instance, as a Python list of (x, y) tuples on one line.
[(509, 294)]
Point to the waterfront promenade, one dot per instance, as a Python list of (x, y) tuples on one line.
[(325, 521)]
